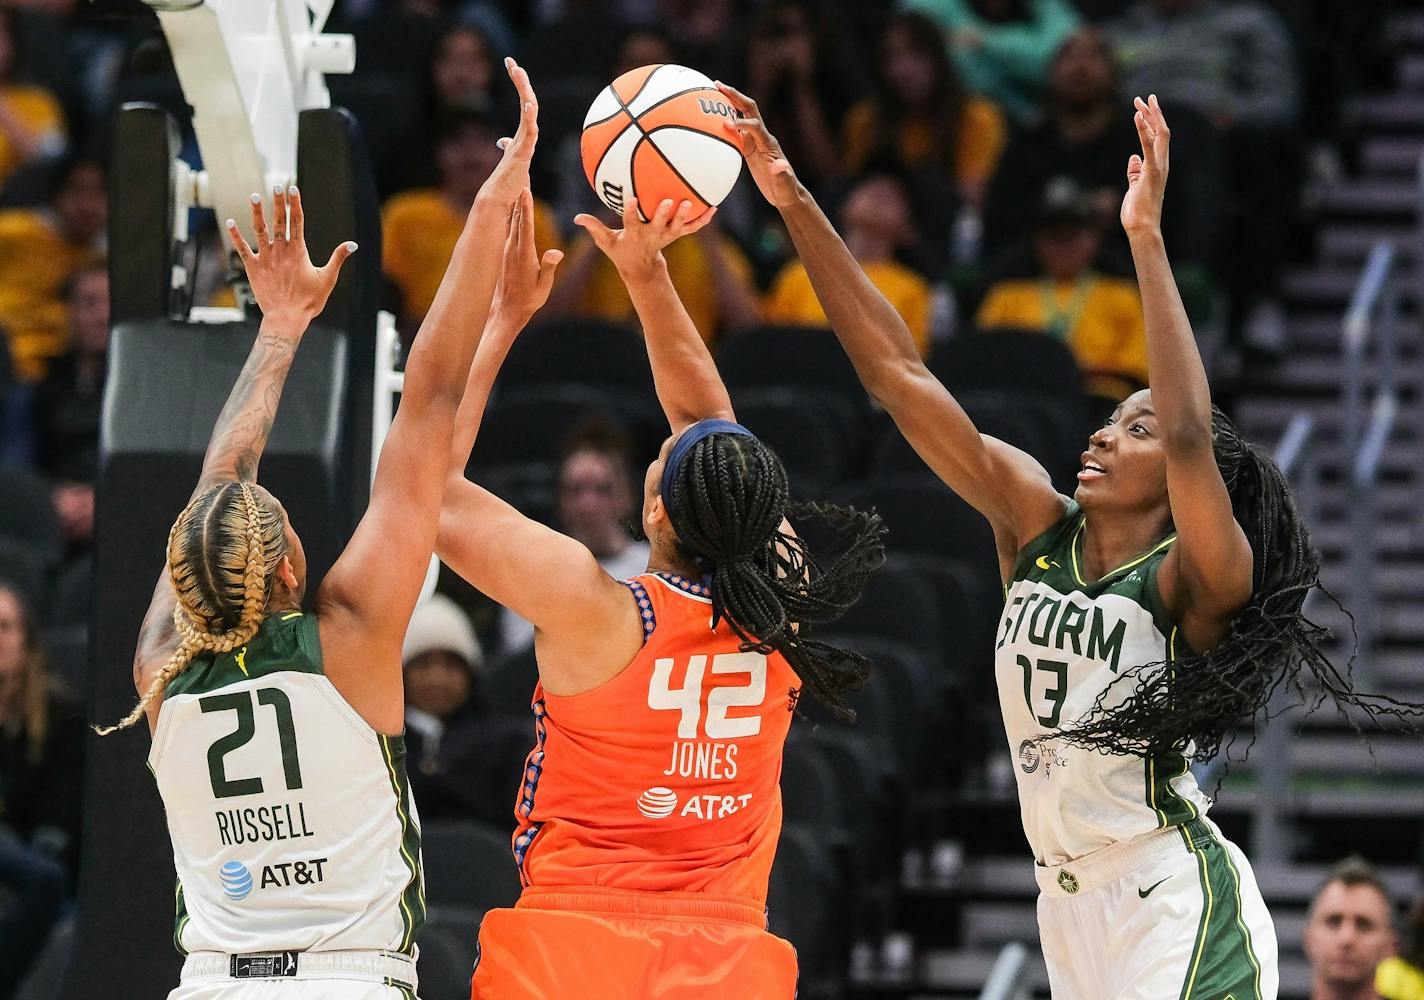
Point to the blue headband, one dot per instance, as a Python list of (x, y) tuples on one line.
[(697, 432)]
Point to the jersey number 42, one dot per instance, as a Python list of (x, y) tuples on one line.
[(688, 698)]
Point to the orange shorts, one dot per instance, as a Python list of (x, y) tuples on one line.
[(602, 944)]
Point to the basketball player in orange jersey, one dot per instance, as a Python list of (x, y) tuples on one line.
[(650, 808)]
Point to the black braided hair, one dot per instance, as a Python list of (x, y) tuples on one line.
[(1197, 700), (729, 499)]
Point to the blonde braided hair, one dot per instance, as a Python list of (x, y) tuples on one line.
[(223, 552)]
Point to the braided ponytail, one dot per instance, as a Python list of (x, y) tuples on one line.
[(728, 501), (205, 549)]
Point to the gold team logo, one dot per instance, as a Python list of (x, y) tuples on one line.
[(1068, 882), (1043, 562)]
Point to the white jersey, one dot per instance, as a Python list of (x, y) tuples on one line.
[(1060, 644), (291, 818)]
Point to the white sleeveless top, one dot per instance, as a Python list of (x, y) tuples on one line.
[(291, 818)]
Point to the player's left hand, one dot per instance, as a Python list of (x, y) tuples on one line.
[(637, 247), (524, 278), (1147, 173), (511, 176), (286, 284)]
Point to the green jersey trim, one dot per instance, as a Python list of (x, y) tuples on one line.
[(1223, 959), (412, 898), (286, 642), (1075, 545), (1162, 798), (180, 920)]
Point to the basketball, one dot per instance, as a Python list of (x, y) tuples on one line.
[(657, 132)]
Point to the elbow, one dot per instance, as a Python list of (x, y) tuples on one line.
[(887, 379)]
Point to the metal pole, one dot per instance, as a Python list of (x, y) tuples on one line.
[(1008, 979)]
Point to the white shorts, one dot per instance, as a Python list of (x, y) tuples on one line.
[(319, 975), (1174, 915)]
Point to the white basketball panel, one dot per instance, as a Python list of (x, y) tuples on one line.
[(604, 106), (665, 81), (612, 182), (710, 165)]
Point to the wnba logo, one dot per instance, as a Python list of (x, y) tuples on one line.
[(655, 803), (716, 108), (236, 880)]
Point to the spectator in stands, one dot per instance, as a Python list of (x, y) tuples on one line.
[(41, 774), (1100, 317), (465, 71), (31, 119), (1082, 134), (1235, 64), (709, 270), (795, 57), (40, 251), (1002, 47), (1348, 933), (878, 222), (1401, 977), (420, 227), (69, 405), (705, 34), (922, 114), (594, 502)]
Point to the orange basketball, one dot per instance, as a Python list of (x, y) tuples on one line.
[(657, 132)]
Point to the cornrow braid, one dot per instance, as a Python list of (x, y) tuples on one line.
[(728, 503), (206, 548), (1197, 700)]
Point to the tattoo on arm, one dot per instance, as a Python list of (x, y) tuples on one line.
[(245, 423)]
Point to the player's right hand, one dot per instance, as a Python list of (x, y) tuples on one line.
[(288, 287), (636, 249), (512, 175), (525, 279), (766, 162)]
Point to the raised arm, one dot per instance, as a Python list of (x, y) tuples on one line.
[(291, 292), (1004, 484), (546, 577), (366, 599), (684, 375), (1206, 577)]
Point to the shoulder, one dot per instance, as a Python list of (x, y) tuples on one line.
[(22, 222)]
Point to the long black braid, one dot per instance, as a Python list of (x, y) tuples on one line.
[(1197, 700), (729, 499)]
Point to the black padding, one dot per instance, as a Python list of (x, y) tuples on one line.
[(141, 206), (167, 382)]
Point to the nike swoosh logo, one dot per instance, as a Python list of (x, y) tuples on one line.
[(1144, 893), (1042, 563)]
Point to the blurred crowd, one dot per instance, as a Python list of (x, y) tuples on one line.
[(972, 153)]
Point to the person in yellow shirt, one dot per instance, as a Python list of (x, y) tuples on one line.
[(419, 228), (1098, 316), (711, 274), (31, 120), (877, 222), (1401, 977), (40, 250), (922, 115)]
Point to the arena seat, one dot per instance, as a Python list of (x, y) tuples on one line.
[(608, 356), (468, 865), (67, 647), (898, 604), (23, 566), (46, 974), (813, 434), (802, 900), (811, 793), (530, 423), (72, 597), (29, 513), (447, 954), (507, 683), (528, 487), (790, 356)]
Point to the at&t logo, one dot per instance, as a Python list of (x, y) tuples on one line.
[(657, 803), (236, 880)]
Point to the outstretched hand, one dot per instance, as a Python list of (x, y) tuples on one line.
[(638, 245), (766, 162), (285, 283), (1147, 173), (511, 176), (524, 278)]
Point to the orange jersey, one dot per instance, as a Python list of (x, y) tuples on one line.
[(666, 778)]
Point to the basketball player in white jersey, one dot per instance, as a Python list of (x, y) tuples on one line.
[(1144, 617), (277, 734)]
